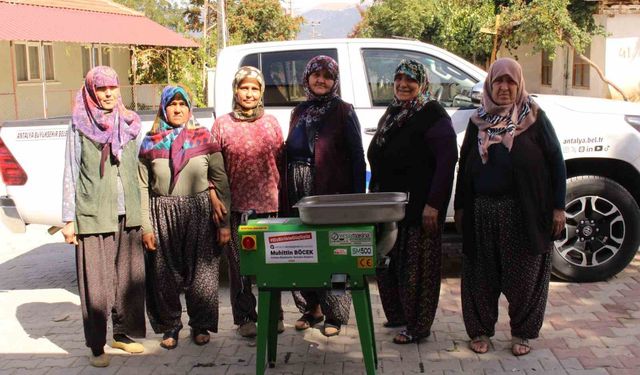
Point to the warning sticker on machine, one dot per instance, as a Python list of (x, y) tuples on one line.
[(350, 238), (290, 247)]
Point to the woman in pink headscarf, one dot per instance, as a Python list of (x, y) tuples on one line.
[(509, 205), (101, 209)]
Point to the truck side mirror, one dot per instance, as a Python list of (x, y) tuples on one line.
[(476, 93)]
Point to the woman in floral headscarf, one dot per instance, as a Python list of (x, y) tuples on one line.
[(324, 156), (101, 209), (509, 204), (252, 145), (414, 150), (178, 163)]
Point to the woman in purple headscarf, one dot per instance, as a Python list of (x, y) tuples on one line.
[(179, 163), (324, 156), (101, 211), (509, 204)]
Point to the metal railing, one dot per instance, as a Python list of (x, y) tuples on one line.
[(28, 103)]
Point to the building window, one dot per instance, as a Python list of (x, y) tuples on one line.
[(94, 56), (581, 69), (547, 69), (28, 60)]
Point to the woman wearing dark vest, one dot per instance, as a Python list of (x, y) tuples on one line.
[(101, 209), (414, 150), (324, 156), (178, 160), (509, 204)]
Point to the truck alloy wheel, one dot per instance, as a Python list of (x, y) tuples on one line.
[(602, 233)]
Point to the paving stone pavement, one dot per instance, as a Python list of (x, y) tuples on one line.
[(589, 329)]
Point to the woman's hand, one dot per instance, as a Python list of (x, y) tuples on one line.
[(149, 241), (218, 208), (69, 233), (224, 235), (559, 219), (457, 217), (430, 219)]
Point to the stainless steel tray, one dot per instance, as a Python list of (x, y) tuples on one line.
[(352, 208)]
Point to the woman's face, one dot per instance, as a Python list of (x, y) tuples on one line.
[(321, 82), (248, 93), (107, 97), (405, 88), (177, 112), (504, 90)]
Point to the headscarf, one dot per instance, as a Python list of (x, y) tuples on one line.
[(239, 112), (502, 123), (399, 111), (112, 129), (178, 144), (311, 112)]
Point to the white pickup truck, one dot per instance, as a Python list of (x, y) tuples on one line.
[(600, 140)]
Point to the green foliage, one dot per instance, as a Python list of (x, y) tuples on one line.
[(251, 21), (452, 24), (456, 24), (248, 21), (547, 24)]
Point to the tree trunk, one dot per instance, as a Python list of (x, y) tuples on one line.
[(599, 71)]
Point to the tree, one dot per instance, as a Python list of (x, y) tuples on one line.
[(549, 24), (459, 25), (451, 24)]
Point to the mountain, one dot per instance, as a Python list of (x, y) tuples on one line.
[(334, 22)]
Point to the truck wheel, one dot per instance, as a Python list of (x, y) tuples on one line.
[(602, 233)]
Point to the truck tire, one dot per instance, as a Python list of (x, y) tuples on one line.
[(602, 233)]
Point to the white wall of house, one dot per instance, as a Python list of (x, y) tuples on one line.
[(68, 77), (623, 54), (617, 54)]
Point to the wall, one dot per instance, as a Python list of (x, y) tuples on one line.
[(60, 92), (623, 54), (617, 54)]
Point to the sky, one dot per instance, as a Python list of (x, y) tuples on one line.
[(301, 6)]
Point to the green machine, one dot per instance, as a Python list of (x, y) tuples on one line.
[(336, 243)]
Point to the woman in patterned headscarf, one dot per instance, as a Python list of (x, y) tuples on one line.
[(509, 205), (414, 150), (178, 163), (324, 156), (101, 209), (252, 146)]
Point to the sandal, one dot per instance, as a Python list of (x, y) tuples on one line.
[(518, 341), (404, 337), (331, 329), (477, 340), (307, 320), (170, 338), (390, 324), (200, 336)]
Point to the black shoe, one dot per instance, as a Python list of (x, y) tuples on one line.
[(170, 338)]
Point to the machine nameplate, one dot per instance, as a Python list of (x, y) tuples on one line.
[(361, 251), (340, 251), (340, 238), (291, 247), (365, 262)]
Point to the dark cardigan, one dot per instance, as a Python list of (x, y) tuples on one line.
[(539, 177), (338, 156), (418, 157)]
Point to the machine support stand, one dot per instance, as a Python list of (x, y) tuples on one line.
[(362, 308), (267, 340)]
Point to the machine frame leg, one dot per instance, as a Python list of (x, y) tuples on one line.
[(362, 309), (274, 315), (264, 312)]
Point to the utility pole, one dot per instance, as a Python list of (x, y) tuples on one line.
[(223, 35), (313, 29)]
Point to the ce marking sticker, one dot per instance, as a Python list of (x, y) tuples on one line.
[(365, 262)]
